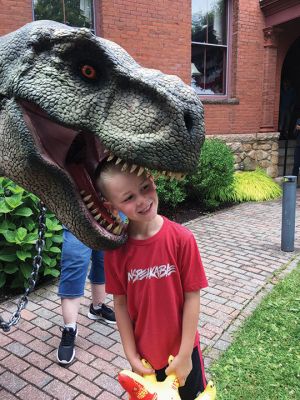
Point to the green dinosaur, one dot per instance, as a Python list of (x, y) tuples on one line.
[(68, 100)]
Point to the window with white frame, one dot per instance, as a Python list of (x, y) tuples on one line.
[(71, 12), (209, 46)]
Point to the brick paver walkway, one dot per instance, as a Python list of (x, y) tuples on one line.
[(240, 248)]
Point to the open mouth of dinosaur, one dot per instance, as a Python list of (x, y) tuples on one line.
[(79, 153)]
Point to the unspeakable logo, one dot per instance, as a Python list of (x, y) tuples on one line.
[(156, 272)]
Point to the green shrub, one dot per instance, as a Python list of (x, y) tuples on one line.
[(214, 174), (170, 193), (252, 186), (18, 234)]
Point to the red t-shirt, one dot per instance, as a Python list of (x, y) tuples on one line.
[(154, 274)]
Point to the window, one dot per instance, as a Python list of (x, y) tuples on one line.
[(209, 46), (70, 12)]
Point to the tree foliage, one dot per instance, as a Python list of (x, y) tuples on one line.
[(64, 11)]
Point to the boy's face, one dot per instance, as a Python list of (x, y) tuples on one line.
[(134, 195)]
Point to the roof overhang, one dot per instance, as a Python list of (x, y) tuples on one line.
[(279, 11)]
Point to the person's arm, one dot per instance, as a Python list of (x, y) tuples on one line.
[(182, 363), (127, 337)]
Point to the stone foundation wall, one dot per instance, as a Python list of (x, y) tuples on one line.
[(253, 150)]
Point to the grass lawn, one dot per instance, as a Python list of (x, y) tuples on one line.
[(263, 362)]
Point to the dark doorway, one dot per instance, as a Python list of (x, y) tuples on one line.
[(289, 110), (290, 74)]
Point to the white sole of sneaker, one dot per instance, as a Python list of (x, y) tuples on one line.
[(97, 318), (64, 362)]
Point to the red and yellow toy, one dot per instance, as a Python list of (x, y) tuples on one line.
[(147, 388)]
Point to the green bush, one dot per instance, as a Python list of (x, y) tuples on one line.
[(252, 186), (170, 193), (214, 174), (18, 234)]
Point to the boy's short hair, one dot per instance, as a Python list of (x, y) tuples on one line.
[(109, 168), (104, 169), (105, 166)]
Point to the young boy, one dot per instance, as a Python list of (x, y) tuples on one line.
[(155, 279)]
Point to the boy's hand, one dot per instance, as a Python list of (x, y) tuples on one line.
[(138, 367), (181, 366)]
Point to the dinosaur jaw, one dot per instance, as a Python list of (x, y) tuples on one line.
[(77, 154)]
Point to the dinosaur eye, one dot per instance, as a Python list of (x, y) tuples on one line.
[(88, 72)]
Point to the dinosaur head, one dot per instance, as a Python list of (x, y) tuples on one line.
[(68, 101)]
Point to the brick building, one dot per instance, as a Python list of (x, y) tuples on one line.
[(235, 53)]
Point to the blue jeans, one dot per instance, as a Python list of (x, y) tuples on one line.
[(75, 259)]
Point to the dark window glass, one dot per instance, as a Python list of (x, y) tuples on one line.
[(70, 12), (208, 69), (209, 46)]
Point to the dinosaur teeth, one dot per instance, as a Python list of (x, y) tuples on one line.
[(133, 168), (87, 198), (181, 176), (109, 227), (82, 192), (94, 212), (116, 230), (97, 217), (124, 168), (90, 205), (172, 175), (141, 170)]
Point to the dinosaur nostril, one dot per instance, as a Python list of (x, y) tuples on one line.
[(188, 120)]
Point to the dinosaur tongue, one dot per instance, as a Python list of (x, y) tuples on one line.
[(88, 192)]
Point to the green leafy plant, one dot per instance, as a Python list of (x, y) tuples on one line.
[(170, 193), (251, 186), (214, 174), (18, 234)]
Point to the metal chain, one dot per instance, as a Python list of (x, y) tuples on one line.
[(36, 264)]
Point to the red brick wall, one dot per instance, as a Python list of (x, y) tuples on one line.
[(156, 33), (14, 14)]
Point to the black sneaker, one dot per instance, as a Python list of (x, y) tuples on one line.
[(105, 313), (66, 351)]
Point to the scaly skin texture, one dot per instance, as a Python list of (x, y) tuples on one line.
[(65, 96)]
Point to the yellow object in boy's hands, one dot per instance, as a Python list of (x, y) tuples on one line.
[(209, 393), (147, 388)]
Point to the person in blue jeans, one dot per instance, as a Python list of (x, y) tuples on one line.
[(75, 260)]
